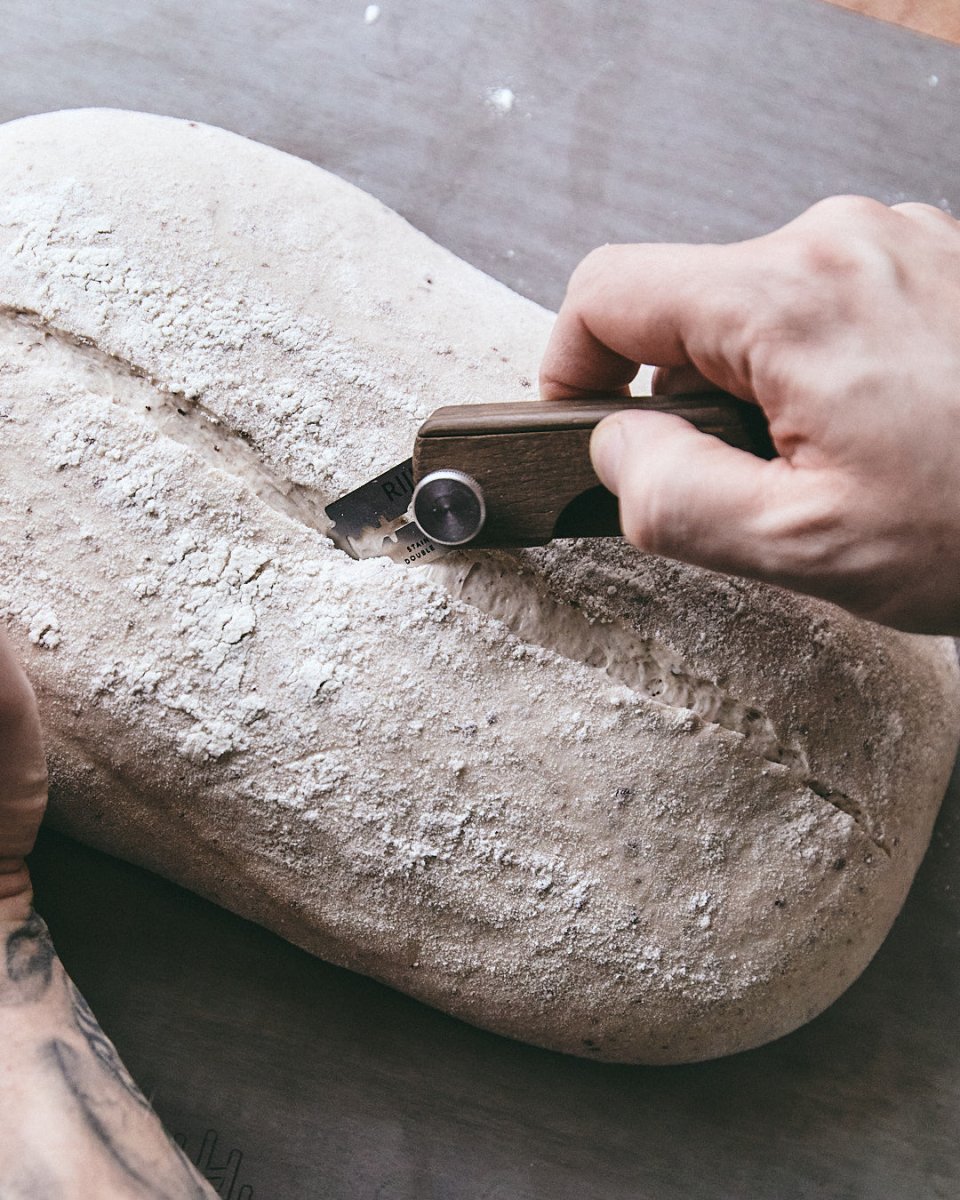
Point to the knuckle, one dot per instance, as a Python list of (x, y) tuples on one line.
[(844, 237), (825, 268), (917, 208), (832, 257), (845, 210), (589, 274), (928, 217)]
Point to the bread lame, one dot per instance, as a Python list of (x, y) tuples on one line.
[(517, 474)]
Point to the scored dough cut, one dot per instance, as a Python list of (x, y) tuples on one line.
[(581, 796)]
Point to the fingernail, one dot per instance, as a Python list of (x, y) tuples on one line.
[(606, 451)]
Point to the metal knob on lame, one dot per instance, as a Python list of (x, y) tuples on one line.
[(449, 507)]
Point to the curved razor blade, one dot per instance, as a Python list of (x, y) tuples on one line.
[(374, 521)]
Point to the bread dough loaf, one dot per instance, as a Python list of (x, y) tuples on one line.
[(583, 797)]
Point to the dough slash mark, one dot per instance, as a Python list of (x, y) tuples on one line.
[(171, 413), (645, 667)]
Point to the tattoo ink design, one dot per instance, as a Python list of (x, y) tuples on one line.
[(223, 1173), (103, 1049), (32, 1181), (119, 1132), (143, 1154), (28, 963)]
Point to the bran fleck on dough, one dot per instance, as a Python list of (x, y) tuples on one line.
[(587, 798)]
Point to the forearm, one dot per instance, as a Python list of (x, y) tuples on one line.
[(73, 1124)]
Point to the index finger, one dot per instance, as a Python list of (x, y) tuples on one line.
[(634, 304)]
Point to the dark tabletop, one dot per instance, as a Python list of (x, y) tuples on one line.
[(652, 119)]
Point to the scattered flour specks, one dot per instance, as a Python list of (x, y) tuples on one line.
[(500, 99)]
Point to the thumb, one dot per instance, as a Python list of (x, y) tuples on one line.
[(688, 495)]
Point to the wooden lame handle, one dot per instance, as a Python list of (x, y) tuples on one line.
[(532, 458)]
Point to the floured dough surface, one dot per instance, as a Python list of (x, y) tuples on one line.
[(580, 796)]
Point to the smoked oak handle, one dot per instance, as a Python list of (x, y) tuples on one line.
[(532, 461)]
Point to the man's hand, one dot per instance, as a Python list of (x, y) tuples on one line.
[(845, 327), (72, 1121)]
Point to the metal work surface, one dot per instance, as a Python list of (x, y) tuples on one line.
[(649, 120), (519, 134)]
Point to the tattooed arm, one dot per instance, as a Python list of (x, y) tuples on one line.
[(73, 1124)]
